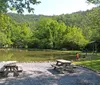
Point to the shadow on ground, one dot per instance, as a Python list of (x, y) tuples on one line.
[(81, 76)]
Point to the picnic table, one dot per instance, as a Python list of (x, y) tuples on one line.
[(10, 67), (63, 65)]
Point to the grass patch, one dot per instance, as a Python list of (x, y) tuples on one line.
[(93, 63)]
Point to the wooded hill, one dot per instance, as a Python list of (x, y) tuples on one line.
[(70, 31)]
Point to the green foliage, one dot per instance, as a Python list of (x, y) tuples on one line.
[(5, 33), (13, 34), (21, 35), (74, 38), (70, 31), (94, 1), (3, 39), (94, 23), (17, 5), (50, 33)]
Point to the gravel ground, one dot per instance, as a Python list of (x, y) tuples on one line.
[(43, 74)]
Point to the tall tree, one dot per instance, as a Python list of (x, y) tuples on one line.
[(5, 27), (50, 33), (3, 40), (94, 23), (20, 35)]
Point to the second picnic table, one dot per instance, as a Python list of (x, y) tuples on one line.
[(63, 65), (10, 67)]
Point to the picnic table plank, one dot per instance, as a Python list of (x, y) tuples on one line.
[(63, 61)]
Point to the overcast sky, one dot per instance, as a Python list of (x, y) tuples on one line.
[(57, 7)]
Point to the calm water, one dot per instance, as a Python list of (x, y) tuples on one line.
[(31, 55)]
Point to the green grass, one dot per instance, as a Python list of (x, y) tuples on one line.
[(93, 62)]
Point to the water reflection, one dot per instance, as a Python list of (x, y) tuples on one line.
[(33, 55)]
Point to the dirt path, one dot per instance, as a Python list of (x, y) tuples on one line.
[(43, 74)]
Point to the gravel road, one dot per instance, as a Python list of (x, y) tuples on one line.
[(43, 74)]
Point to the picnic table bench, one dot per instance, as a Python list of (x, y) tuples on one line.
[(63, 65), (10, 67)]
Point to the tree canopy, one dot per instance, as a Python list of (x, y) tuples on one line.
[(70, 31)]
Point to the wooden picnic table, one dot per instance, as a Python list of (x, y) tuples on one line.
[(10, 67), (63, 62), (63, 65)]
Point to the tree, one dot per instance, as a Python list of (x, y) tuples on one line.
[(50, 33), (74, 38), (20, 35), (94, 1), (44, 33), (5, 27), (94, 23), (18, 5), (4, 40)]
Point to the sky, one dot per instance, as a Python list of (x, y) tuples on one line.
[(57, 7)]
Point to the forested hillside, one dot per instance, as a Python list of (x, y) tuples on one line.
[(70, 31)]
